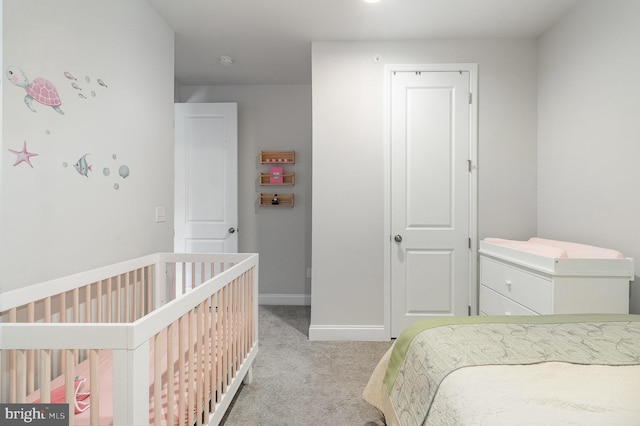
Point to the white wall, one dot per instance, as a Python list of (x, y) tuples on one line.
[(589, 129), (55, 220), (348, 162), (271, 118)]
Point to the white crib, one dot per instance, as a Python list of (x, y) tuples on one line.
[(125, 329)]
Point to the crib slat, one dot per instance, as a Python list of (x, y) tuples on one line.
[(157, 379), (134, 295), (184, 277), (238, 325), (171, 396), (31, 361), (99, 302), (94, 388), (175, 280), (21, 375), (13, 359), (135, 301), (232, 343), (220, 343), (13, 379), (193, 275), (68, 359), (207, 353), (149, 288), (215, 347), (242, 313), (190, 360), (225, 340), (76, 305), (87, 303), (45, 375), (181, 372), (239, 322), (62, 317), (199, 364), (127, 298), (109, 301), (247, 314), (140, 286), (118, 298), (232, 328)]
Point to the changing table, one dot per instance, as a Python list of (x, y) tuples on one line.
[(517, 281)]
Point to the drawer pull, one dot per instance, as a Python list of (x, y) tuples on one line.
[(508, 285)]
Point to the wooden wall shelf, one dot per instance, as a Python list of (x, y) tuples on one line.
[(277, 157), (284, 200), (288, 179)]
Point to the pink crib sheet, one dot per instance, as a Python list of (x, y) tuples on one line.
[(105, 378)]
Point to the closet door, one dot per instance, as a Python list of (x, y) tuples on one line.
[(430, 249), (206, 178)]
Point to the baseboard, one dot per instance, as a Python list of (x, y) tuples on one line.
[(371, 333), (284, 299)]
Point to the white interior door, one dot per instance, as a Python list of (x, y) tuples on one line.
[(206, 178), (429, 196)]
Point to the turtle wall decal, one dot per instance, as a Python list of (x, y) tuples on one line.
[(40, 89)]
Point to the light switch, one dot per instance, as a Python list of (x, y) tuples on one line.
[(161, 214)]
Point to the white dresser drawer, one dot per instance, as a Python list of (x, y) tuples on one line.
[(492, 303), (524, 288)]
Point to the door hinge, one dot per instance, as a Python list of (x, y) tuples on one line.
[(470, 98)]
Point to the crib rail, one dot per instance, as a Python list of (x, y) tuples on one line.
[(200, 309)]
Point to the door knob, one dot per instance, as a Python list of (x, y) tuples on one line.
[(398, 238), (232, 230)]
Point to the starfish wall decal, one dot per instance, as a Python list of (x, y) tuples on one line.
[(24, 156)]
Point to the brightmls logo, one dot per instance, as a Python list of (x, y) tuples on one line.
[(34, 414)]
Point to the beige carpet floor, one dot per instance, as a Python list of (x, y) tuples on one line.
[(298, 383)]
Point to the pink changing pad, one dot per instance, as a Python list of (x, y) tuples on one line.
[(576, 250), (530, 247), (557, 249)]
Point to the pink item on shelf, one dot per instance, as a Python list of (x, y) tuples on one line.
[(275, 175)]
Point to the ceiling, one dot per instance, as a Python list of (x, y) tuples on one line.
[(270, 41)]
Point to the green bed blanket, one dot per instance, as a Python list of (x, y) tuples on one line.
[(429, 350)]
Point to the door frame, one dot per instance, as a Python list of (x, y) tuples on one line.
[(472, 68)]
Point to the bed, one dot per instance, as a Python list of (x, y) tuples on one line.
[(581, 369), (553, 344), (165, 339)]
